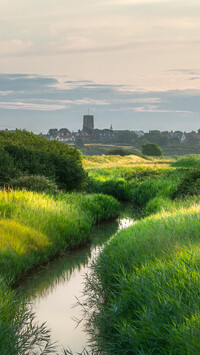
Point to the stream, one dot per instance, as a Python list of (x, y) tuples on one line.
[(54, 290)]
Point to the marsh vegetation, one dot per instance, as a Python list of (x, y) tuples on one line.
[(144, 286)]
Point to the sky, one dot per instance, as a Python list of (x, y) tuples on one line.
[(134, 64)]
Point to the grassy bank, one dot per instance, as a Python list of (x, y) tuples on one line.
[(36, 227), (33, 229), (125, 183), (146, 279), (149, 277), (114, 161)]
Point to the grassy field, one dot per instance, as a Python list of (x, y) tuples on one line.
[(34, 228), (114, 161), (146, 279), (145, 284)]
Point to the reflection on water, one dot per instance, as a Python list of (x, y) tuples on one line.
[(54, 290)]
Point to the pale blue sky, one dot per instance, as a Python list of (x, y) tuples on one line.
[(139, 47)]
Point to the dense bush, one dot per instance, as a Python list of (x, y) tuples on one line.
[(120, 151), (32, 141), (7, 167), (188, 186), (151, 149), (34, 183), (33, 155), (145, 172)]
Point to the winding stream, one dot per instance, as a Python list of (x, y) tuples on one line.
[(54, 290)]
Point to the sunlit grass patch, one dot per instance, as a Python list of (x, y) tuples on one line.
[(19, 238), (108, 161), (35, 227)]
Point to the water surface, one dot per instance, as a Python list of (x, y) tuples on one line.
[(55, 289)]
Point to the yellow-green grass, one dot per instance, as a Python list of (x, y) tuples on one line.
[(19, 238), (36, 227), (149, 278), (108, 161)]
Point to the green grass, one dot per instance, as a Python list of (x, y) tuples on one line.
[(149, 277), (124, 183), (146, 279), (36, 227), (33, 229), (188, 161), (115, 161), (19, 334)]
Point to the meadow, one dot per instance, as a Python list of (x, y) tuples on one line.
[(113, 161), (144, 285), (146, 279)]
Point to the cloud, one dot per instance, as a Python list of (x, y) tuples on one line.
[(156, 109), (14, 46), (57, 101), (24, 82), (194, 78), (5, 93), (86, 101), (30, 106)]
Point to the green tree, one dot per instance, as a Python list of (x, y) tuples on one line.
[(79, 143), (152, 149), (157, 137), (8, 169), (127, 137)]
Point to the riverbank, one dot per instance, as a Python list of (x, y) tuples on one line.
[(146, 279), (35, 228)]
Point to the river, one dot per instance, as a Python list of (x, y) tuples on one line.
[(54, 290)]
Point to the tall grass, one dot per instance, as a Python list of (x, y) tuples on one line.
[(124, 183), (147, 284), (108, 161), (19, 334), (35, 227), (188, 161)]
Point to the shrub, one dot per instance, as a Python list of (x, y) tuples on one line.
[(34, 183), (7, 167), (34, 155), (188, 186), (143, 173), (120, 151), (67, 173), (152, 149)]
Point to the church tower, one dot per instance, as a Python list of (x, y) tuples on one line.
[(88, 121)]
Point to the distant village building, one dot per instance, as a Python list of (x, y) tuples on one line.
[(62, 135), (90, 135)]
